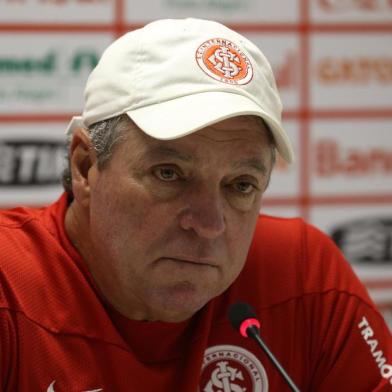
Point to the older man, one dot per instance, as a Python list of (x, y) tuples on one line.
[(124, 283)]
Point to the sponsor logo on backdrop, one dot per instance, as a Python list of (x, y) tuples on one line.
[(355, 70), (31, 162), (333, 159), (349, 5), (212, 4), (286, 73), (22, 75), (47, 64), (367, 240)]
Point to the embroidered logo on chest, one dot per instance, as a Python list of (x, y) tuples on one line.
[(229, 368)]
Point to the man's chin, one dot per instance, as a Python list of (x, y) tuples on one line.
[(179, 304)]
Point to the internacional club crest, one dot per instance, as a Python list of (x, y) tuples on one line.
[(223, 60), (229, 368)]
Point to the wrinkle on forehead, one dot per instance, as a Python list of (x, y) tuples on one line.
[(243, 143), (223, 140)]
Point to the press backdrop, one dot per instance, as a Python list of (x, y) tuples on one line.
[(333, 63)]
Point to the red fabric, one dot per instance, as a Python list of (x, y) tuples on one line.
[(56, 330)]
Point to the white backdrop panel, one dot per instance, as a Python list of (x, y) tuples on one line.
[(234, 11), (351, 71), (351, 157), (282, 51), (359, 11), (46, 73), (57, 11)]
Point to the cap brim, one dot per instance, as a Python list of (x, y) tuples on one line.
[(184, 115)]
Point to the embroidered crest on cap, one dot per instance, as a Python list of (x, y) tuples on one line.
[(229, 368), (223, 60)]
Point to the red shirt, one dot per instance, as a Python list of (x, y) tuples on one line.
[(58, 334)]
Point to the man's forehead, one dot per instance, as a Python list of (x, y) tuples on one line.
[(238, 153), (162, 151), (246, 134)]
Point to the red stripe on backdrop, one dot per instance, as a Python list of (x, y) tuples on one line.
[(306, 27), (331, 114), (58, 27), (120, 25), (361, 28), (247, 27), (340, 114), (355, 113), (304, 12), (383, 306), (378, 284), (26, 118), (304, 138), (119, 13), (329, 200), (352, 199)]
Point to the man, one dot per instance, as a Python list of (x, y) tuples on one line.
[(124, 283)]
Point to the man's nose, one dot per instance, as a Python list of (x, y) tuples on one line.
[(204, 213)]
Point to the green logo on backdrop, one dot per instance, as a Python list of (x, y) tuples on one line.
[(45, 64), (48, 64), (38, 79), (84, 60)]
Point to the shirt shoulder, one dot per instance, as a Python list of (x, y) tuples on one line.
[(42, 281), (19, 264), (290, 258)]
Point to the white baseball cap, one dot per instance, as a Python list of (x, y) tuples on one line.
[(175, 76)]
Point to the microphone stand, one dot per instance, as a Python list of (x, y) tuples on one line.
[(253, 332)]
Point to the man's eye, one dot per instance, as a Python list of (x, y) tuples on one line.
[(244, 187), (166, 174)]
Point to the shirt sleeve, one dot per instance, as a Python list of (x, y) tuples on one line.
[(352, 346)]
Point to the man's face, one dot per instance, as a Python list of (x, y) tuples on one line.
[(171, 222)]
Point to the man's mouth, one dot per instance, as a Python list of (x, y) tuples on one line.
[(193, 260)]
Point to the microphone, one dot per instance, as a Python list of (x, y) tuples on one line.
[(243, 319)]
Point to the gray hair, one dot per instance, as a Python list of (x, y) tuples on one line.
[(106, 134)]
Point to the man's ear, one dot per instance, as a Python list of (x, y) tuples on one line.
[(82, 158)]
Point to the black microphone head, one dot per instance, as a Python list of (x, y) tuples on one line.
[(240, 312)]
